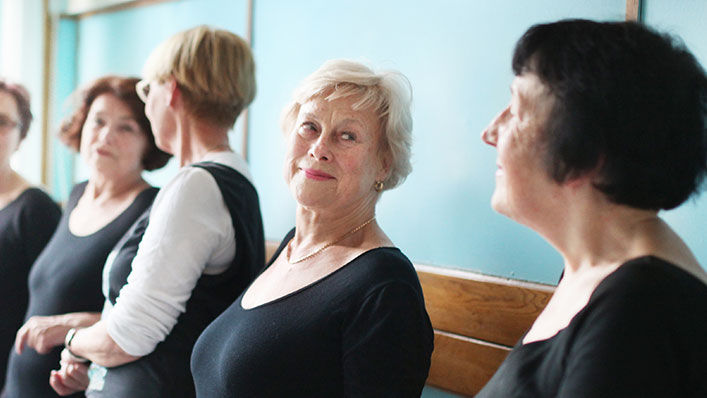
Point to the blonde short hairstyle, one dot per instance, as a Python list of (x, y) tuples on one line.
[(388, 93), (214, 69)]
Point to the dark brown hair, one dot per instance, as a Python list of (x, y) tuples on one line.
[(630, 103), (21, 96), (124, 89)]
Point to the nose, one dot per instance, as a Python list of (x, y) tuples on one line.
[(319, 149), (105, 134), (490, 133)]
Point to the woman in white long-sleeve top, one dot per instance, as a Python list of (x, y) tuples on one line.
[(203, 240)]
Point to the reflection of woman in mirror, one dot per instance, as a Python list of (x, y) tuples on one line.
[(110, 131), (27, 217)]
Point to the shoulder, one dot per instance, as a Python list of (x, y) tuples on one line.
[(384, 266), (230, 161), (191, 195), (654, 279), (191, 184), (34, 202), (77, 191), (35, 197), (648, 289), (147, 195)]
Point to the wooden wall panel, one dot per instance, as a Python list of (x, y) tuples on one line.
[(486, 308), (462, 365)]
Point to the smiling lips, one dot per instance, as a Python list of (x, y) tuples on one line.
[(317, 175)]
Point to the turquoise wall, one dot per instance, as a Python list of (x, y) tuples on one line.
[(456, 54), (457, 57), (119, 43)]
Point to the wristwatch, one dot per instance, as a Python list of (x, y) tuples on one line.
[(69, 337), (67, 343)]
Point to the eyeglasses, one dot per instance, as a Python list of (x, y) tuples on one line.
[(7, 124), (143, 89)]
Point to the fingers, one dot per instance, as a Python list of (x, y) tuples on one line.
[(56, 380), (71, 378), (21, 339), (76, 377), (41, 333)]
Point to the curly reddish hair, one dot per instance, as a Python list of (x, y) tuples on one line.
[(124, 89)]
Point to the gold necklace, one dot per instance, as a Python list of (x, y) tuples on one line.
[(308, 256)]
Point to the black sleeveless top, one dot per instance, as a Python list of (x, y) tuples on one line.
[(165, 372), (26, 224), (66, 278)]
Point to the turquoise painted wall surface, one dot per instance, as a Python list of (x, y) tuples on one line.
[(457, 57), (456, 54), (120, 42), (62, 166)]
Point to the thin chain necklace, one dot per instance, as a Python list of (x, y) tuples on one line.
[(316, 252)]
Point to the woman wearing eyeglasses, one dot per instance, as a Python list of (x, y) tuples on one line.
[(202, 242), (28, 217), (112, 135)]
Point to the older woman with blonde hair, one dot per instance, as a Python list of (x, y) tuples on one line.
[(339, 310), (200, 245)]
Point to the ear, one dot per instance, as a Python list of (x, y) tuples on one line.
[(385, 165), (174, 93)]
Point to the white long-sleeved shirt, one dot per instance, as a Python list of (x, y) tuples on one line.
[(190, 233)]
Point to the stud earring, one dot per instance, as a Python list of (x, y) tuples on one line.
[(378, 186)]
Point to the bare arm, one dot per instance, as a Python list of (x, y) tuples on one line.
[(46, 332), (95, 344)]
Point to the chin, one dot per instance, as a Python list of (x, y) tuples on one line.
[(499, 205), (308, 197)]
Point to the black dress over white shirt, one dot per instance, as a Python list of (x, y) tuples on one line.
[(164, 370)]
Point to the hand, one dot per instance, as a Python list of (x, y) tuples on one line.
[(72, 377), (41, 333)]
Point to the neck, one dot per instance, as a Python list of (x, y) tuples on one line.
[(102, 187), (7, 178), (596, 233), (196, 138), (11, 184), (315, 228)]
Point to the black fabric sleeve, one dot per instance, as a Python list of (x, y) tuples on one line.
[(387, 344), (626, 346), (37, 224)]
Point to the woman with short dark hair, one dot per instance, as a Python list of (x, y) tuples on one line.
[(606, 126)]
